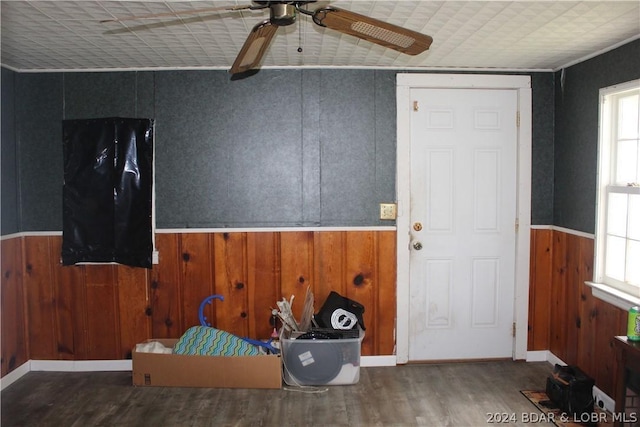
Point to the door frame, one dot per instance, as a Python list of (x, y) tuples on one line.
[(404, 84)]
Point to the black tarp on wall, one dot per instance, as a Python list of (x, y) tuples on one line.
[(107, 191)]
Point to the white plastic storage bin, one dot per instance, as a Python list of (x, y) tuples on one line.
[(321, 361)]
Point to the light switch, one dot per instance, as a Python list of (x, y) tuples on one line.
[(388, 211)]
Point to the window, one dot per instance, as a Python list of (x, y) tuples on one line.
[(617, 258)]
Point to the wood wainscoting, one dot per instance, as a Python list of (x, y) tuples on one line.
[(564, 317), (99, 312)]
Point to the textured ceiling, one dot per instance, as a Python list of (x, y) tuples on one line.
[(508, 35)]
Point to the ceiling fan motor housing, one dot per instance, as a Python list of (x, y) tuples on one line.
[(283, 14)]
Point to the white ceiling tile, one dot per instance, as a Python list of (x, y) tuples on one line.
[(67, 34)]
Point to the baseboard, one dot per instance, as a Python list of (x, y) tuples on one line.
[(377, 361), (555, 360), (601, 398), (125, 365), (81, 365), (543, 356), (537, 356), (15, 375)]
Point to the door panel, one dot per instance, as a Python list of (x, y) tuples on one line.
[(462, 216)]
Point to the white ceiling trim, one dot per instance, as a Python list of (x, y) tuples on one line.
[(597, 53), (288, 67)]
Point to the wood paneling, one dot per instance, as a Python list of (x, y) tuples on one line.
[(296, 267), (91, 312), (101, 311), (166, 302), (578, 327), (14, 348), (540, 289), (40, 319), (263, 271), (103, 323), (329, 253), (572, 285), (361, 279), (558, 315), (586, 356), (232, 314), (609, 322), (70, 292), (133, 307), (384, 322), (196, 278)]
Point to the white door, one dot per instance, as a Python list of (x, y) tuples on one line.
[(463, 177)]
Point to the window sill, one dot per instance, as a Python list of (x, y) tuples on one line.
[(613, 296)]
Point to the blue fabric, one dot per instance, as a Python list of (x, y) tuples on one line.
[(208, 341)]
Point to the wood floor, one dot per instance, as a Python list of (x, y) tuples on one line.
[(457, 394)]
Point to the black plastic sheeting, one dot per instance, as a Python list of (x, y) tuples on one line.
[(107, 192)]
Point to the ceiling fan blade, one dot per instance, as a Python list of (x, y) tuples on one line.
[(373, 30), (179, 12), (254, 47), (125, 29)]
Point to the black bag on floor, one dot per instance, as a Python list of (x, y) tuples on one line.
[(571, 390), (339, 312)]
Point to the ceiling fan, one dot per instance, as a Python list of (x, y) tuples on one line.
[(283, 13)]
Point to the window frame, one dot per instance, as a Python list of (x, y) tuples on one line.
[(613, 291)]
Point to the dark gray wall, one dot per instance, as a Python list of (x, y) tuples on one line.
[(8, 167), (39, 102), (576, 135), (282, 148), (542, 88)]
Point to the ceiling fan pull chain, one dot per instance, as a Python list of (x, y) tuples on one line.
[(299, 38)]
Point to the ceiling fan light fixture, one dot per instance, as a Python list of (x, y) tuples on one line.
[(383, 34)]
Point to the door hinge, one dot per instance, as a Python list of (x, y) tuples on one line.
[(518, 119), (416, 107), (513, 330), (517, 225)]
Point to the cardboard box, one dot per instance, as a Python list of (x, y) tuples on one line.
[(175, 370)]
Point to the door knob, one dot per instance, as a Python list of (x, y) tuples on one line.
[(417, 246)]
